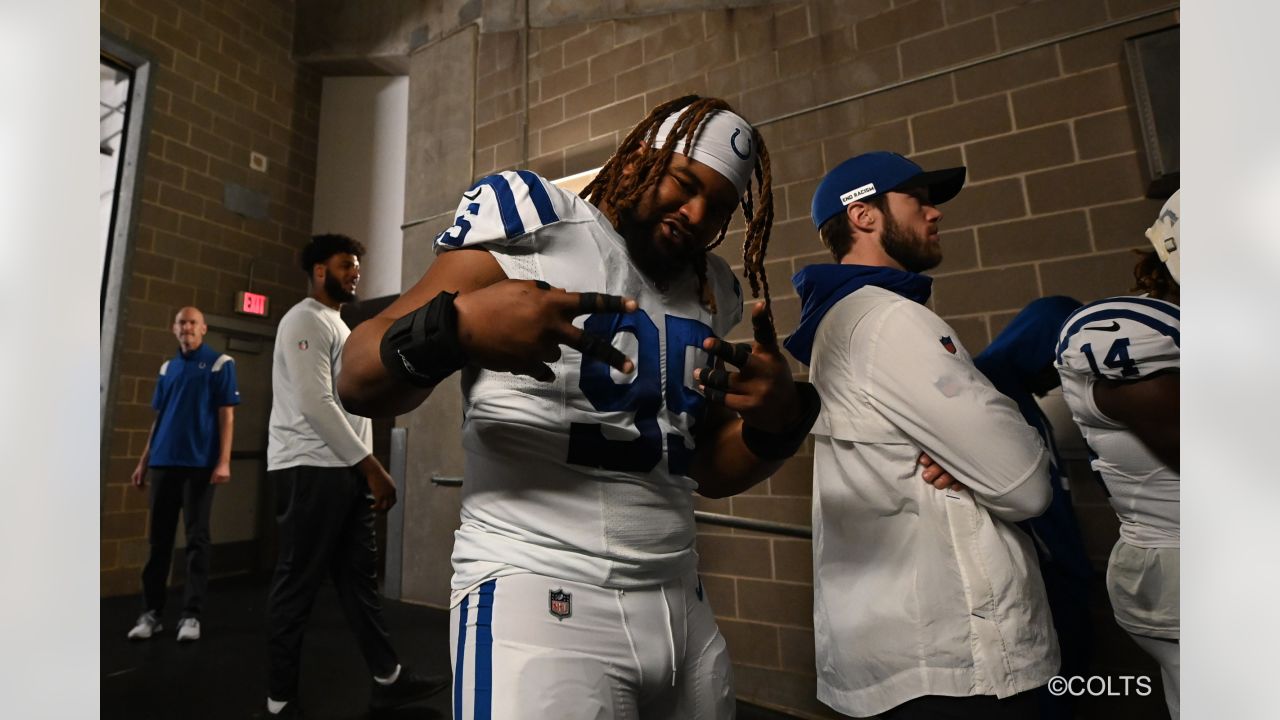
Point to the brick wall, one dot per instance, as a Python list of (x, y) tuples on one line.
[(224, 86), (1054, 200)]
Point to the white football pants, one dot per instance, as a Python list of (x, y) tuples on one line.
[(533, 647), (1167, 653)]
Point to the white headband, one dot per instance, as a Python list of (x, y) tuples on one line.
[(724, 143)]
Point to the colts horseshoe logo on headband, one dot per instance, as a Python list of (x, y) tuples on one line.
[(733, 143)]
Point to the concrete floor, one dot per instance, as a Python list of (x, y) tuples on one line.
[(224, 674)]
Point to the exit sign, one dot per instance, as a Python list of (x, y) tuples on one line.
[(249, 303)]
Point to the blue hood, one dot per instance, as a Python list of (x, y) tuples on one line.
[(1021, 353), (1024, 349), (822, 286)]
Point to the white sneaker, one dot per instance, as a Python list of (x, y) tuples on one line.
[(188, 629), (148, 624)]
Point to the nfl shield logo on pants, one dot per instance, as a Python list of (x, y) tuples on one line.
[(560, 603)]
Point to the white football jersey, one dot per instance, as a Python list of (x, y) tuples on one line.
[(583, 478), (1123, 338)]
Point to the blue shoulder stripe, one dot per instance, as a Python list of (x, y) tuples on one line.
[(506, 204), (1147, 320), (538, 194), (1167, 308)]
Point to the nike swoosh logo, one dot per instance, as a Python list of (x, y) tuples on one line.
[(1114, 326), (473, 194)]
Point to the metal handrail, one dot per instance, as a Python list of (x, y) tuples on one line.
[(765, 526)]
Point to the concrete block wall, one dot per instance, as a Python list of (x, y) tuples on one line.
[(225, 85), (1053, 205)]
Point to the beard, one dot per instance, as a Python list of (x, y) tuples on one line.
[(334, 289), (913, 252), (656, 257)]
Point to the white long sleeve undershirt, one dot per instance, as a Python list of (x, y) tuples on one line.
[(308, 424)]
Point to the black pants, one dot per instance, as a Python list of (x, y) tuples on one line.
[(326, 528), (188, 490), (1023, 706)]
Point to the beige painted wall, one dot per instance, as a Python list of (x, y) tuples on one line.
[(360, 172)]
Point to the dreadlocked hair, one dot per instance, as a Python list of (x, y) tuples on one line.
[(1151, 276), (616, 191)]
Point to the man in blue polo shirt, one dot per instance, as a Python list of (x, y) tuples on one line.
[(188, 452)]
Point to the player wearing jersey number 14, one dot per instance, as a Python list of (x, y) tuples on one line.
[(599, 397), (1119, 359)]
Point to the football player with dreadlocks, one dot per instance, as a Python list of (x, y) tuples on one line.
[(1119, 359), (575, 587)]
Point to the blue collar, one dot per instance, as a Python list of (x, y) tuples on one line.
[(200, 352), (822, 286)]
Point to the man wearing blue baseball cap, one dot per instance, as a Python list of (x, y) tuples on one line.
[(928, 602)]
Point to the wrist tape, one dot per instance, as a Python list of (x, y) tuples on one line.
[(422, 347)]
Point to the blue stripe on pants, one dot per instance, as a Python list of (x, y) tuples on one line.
[(484, 653), (458, 663), (482, 706)]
